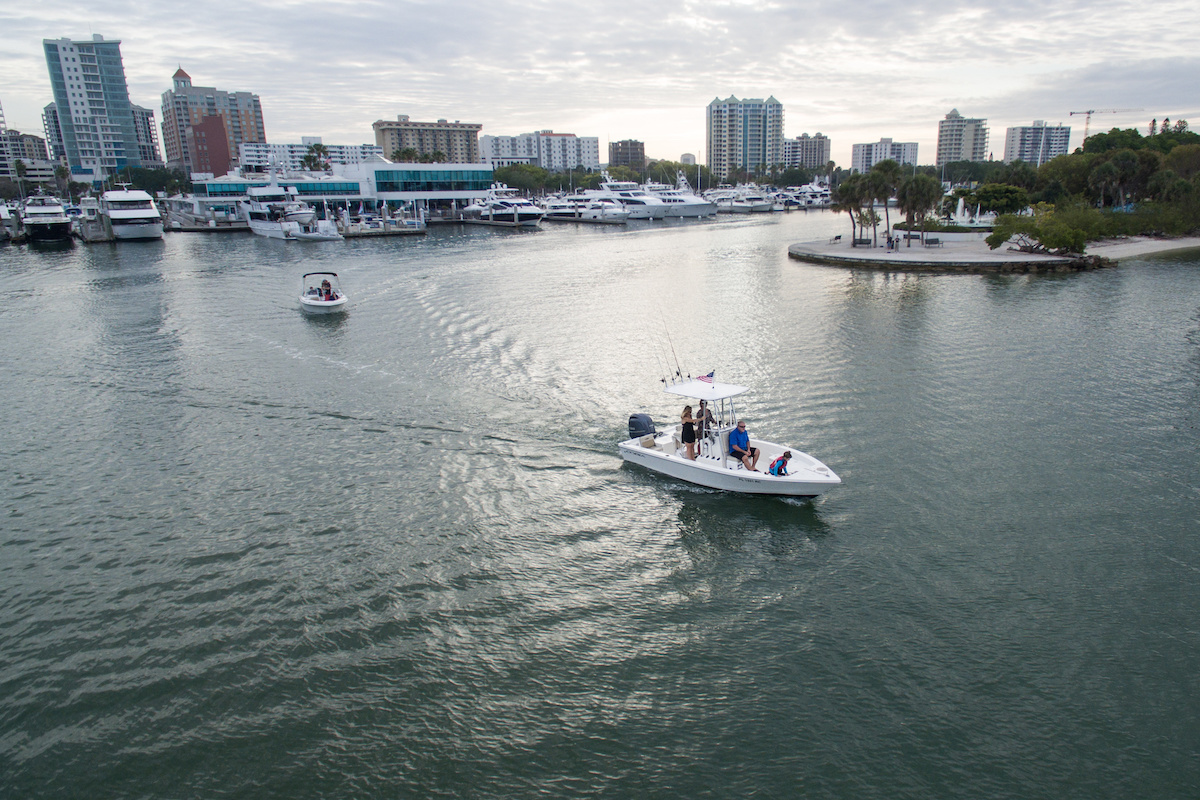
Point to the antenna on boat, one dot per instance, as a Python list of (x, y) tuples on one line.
[(678, 370)]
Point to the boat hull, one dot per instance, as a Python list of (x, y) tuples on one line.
[(48, 231), (139, 230), (313, 306), (687, 210), (808, 477), (275, 230)]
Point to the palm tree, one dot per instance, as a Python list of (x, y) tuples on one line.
[(848, 197), (917, 196), (20, 169), (884, 177), (63, 175), (405, 155)]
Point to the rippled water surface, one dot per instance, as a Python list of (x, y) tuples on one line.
[(248, 553)]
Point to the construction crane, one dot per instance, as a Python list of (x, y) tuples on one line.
[(1087, 120)]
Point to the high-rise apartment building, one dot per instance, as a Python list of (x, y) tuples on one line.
[(627, 153), (810, 152), (1037, 143), (457, 141), (961, 139), (865, 156), (96, 122), (194, 117), (147, 137), (744, 134), (54, 140)]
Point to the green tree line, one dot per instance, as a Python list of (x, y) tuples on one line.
[(1117, 183)]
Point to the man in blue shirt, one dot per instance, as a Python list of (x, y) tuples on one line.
[(739, 446)]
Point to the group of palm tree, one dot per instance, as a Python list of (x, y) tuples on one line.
[(916, 196), (409, 155)]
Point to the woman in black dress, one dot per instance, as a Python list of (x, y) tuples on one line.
[(689, 432)]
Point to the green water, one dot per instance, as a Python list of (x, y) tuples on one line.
[(249, 553)]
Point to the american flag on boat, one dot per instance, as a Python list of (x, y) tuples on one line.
[(709, 377)]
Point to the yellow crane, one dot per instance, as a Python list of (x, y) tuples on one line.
[(1087, 119)]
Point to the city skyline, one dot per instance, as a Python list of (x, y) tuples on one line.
[(858, 75)]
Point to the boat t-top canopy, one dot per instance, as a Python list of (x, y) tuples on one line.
[(334, 274), (702, 390)]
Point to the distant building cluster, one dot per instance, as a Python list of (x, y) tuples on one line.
[(93, 128)]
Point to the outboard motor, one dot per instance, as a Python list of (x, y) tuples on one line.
[(640, 425)]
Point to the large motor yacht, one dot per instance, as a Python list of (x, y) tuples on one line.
[(277, 212), (44, 219), (503, 207), (639, 203), (680, 200), (132, 214)]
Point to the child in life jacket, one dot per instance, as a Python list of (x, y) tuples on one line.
[(779, 465)]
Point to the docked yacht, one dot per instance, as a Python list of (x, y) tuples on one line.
[(277, 212), (664, 451), (811, 195), (639, 203), (44, 219), (576, 208), (680, 200), (131, 214), (503, 207)]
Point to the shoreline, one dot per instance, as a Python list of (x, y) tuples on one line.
[(975, 256)]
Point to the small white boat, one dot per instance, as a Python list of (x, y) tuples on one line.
[(713, 467), (322, 298)]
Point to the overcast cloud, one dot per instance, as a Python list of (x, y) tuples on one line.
[(856, 72)]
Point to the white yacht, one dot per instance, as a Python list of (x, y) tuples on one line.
[(680, 200), (504, 208), (636, 200), (44, 219), (131, 214), (811, 195), (576, 208), (664, 451), (277, 212)]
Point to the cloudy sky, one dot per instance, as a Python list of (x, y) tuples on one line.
[(855, 71)]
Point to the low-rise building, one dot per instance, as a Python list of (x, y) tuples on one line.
[(458, 142), (551, 151), (259, 156)]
